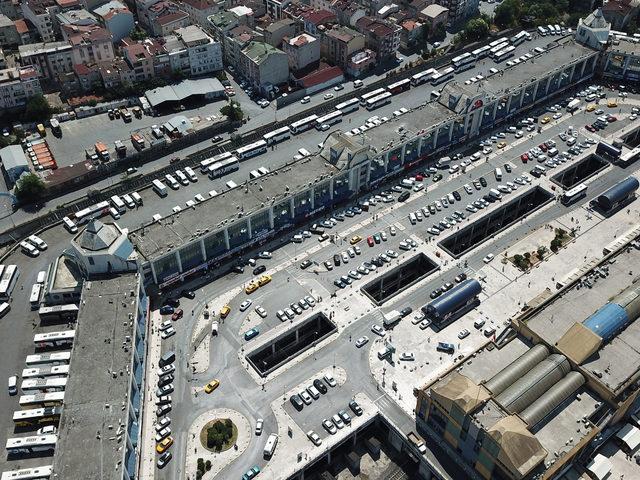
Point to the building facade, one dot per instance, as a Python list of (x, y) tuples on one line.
[(303, 50), (49, 59), (116, 18), (381, 36), (339, 43), (192, 51), (263, 65)]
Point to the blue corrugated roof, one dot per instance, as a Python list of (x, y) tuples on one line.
[(618, 192), (455, 298), (607, 321)]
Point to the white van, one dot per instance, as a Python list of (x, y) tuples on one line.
[(137, 198), (214, 328), (69, 225), (171, 181), (406, 183), (231, 184), (443, 161), (126, 198), (358, 83), (42, 276), (12, 384), (191, 174), (29, 249), (495, 194), (552, 152), (297, 238), (498, 174), (182, 178), (412, 218), (37, 242), (571, 141), (114, 213)]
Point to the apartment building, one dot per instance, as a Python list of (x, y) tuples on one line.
[(263, 65), (49, 59), (116, 18), (17, 85), (41, 13), (276, 31), (192, 51), (200, 10), (140, 57), (347, 12), (236, 40), (381, 36), (116, 72), (92, 47), (8, 32), (339, 43), (276, 8), (302, 50), (460, 10)]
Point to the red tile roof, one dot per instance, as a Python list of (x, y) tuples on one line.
[(171, 17), (318, 17), (321, 76), (21, 26), (200, 4), (67, 3)]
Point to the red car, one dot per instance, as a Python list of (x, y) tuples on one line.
[(419, 177), (590, 128), (370, 241), (177, 315), (542, 147), (611, 119), (524, 157)]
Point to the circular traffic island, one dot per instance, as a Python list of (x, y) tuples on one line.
[(219, 435)]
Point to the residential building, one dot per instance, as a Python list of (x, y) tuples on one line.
[(200, 10), (8, 32), (312, 19), (222, 22), (460, 10), (236, 40), (347, 12), (275, 8), (140, 57), (41, 13), (411, 33), (247, 14), (115, 73), (381, 36), (361, 62), (339, 43), (303, 51), (622, 60), (11, 8), (263, 65), (321, 79), (165, 17), (88, 75), (192, 51), (92, 46), (74, 22), (593, 30), (27, 34), (49, 59), (116, 18), (276, 31), (14, 160), (620, 12), (142, 11), (435, 17)]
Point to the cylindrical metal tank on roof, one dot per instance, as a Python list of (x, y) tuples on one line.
[(629, 299), (454, 298), (607, 321), (553, 397), (618, 193), (533, 384), (516, 369)]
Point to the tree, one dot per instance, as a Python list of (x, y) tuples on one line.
[(29, 188), (556, 243), (138, 34), (507, 13), (38, 109), (541, 252), (475, 29), (232, 111)]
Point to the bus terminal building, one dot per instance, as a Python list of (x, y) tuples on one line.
[(186, 243)]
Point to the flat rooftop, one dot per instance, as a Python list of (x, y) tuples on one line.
[(214, 213), (92, 428), (66, 275), (626, 47), (616, 360)]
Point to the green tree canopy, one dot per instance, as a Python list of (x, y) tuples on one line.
[(29, 188), (232, 111), (38, 109), (476, 29), (507, 13)]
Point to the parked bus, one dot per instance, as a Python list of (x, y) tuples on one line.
[(55, 126), (518, 38), (35, 473), (481, 52), (303, 125), (504, 54), (42, 277), (58, 313), (34, 298), (329, 119), (63, 338), (159, 188), (277, 135), (463, 62), (205, 164), (498, 48), (52, 384), (222, 168), (499, 41), (118, 204), (423, 77), (379, 101), (542, 31), (54, 358), (30, 445), (349, 106), (91, 213), (52, 399), (399, 86), (366, 96), (270, 446), (574, 194), (445, 75), (8, 281), (46, 371), (251, 150), (36, 416)]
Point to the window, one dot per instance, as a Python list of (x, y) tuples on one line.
[(91, 261)]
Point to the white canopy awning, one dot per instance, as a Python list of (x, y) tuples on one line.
[(600, 466), (630, 435)]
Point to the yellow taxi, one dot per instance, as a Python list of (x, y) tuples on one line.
[(263, 280), (163, 445), (252, 287), (612, 103), (502, 144), (212, 385), (225, 311), (355, 239), (545, 119), (591, 108)]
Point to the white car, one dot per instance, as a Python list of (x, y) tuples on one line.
[(314, 437), (246, 304), (329, 426), (266, 255), (306, 99), (407, 357), (378, 330), (310, 300), (362, 341), (259, 426), (463, 334), (488, 258), (163, 423), (337, 421), (306, 398), (50, 430), (328, 96), (424, 324), (261, 311), (330, 380)]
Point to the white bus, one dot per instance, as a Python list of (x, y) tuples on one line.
[(277, 135), (423, 77), (58, 313), (251, 150), (52, 399), (91, 213), (379, 101), (518, 38), (499, 41), (445, 75), (329, 119), (36, 416), (34, 298), (542, 31), (63, 338), (33, 444), (348, 106), (222, 168), (52, 384), (481, 52), (159, 188), (270, 446), (367, 96), (574, 194), (118, 204), (54, 358), (463, 62), (303, 125), (46, 371), (8, 281), (399, 86), (504, 54), (35, 473), (205, 164), (69, 225)]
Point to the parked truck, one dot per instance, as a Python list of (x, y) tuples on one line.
[(417, 441), (121, 148), (138, 141), (391, 318), (126, 114), (102, 151)]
